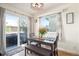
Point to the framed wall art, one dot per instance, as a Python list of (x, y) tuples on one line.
[(70, 18)]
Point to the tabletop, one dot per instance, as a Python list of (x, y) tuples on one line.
[(48, 41)]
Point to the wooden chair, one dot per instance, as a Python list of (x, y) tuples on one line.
[(55, 35), (56, 46), (32, 35)]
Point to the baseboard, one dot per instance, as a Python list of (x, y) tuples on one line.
[(68, 52)]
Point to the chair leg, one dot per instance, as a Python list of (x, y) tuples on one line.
[(56, 52), (25, 51)]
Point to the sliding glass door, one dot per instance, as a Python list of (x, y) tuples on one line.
[(11, 30), (16, 30)]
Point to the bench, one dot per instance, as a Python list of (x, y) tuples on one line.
[(38, 50)]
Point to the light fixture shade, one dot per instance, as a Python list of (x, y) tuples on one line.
[(37, 6)]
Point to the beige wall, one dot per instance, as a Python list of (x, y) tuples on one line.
[(70, 32), (36, 27)]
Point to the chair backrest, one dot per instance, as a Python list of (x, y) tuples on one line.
[(32, 34), (51, 34), (56, 42)]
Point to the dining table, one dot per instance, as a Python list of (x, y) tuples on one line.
[(46, 41)]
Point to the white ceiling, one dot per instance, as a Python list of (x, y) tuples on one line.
[(26, 7)]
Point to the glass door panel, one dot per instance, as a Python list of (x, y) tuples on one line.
[(11, 30), (23, 29)]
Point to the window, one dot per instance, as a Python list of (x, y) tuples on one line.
[(11, 23), (52, 23), (49, 22), (16, 29)]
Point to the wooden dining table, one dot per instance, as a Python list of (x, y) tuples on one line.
[(45, 41)]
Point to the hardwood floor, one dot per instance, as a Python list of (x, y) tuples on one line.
[(60, 53), (64, 53)]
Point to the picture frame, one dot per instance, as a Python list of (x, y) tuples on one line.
[(70, 18)]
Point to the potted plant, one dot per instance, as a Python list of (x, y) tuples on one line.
[(42, 31)]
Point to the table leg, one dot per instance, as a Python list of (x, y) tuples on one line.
[(25, 51), (52, 50), (39, 44), (27, 42)]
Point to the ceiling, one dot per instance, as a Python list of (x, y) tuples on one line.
[(26, 7)]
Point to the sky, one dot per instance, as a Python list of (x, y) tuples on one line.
[(44, 22), (11, 20)]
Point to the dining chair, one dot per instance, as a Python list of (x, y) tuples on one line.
[(56, 46), (32, 35), (55, 35)]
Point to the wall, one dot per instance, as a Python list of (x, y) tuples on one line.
[(32, 23), (36, 26), (70, 32)]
